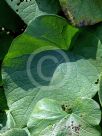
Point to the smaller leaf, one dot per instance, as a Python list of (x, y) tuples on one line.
[(60, 118), (46, 112)]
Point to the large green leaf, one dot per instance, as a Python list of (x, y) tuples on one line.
[(20, 91), (83, 12), (89, 44), (53, 31), (29, 10), (22, 95), (65, 119)]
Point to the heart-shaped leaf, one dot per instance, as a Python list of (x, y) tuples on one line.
[(31, 9), (58, 118), (83, 12), (19, 89)]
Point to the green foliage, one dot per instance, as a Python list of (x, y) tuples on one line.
[(83, 12), (30, 9), (89, 45), (50, 71), (14, 65)]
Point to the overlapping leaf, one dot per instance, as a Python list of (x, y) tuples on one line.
[(31, 9), (76, 76), (83, 12), (89, 45)]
